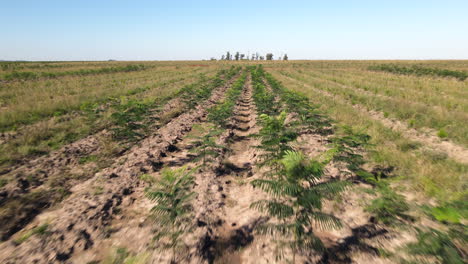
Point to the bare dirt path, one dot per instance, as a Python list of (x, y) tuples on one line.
[(226, 193), (83, 217)]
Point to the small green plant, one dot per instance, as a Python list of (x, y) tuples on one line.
[(39, 230), (449, 212), (438, 244), (390, 208), (98, 190), (409, 145), (205, 145), (147, 178), (347, 147), (87, 159), (275, 136), (129, 119), (446, 214), (442, 133), (3, 182), (191, 95), (92, 111), (296, 203), (173, 211), (122, 255)]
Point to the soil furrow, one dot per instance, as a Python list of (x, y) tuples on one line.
[(225, 194), (453, 150), (83, 218), (51, 177)]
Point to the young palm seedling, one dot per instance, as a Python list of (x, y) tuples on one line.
[(206, 146), (172, 212), (275, 137), (296, 203), (129, 119)]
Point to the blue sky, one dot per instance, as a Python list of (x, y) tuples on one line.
[(178, 29)]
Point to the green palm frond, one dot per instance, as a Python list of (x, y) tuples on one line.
[(325, 221), (277, 188), (310, 200), (331, 188), (275, 229), (172, 212), (273, 208), (297, 166), (311, 242), (300, 202)]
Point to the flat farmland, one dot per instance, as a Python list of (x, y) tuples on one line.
[(233, 162)]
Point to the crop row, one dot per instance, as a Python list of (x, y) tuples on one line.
[(27, 75), (419, 71), (413, 112), (391, 208), (294, 180), (129, 120), (127, 117), (220, 113)]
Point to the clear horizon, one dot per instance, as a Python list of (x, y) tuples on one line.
[(305, 30)]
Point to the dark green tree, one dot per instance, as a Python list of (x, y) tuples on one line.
[(269, 56)]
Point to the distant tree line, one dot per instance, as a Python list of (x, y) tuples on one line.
[(255, 56)]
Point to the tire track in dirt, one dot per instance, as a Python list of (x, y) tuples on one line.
[(84, 215), (454, 151)]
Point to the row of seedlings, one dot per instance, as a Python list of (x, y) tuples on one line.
[(173, 192), (294, 181), (389, 208)]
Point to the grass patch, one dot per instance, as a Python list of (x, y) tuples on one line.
[(40, 230), (438, 244), (390, 208), (442, 133), (87, 159)]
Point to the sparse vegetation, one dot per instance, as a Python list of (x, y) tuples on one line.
[(419, 71), (24, 76), (278, 153), (39, 230), (438, 244), (390, 208)]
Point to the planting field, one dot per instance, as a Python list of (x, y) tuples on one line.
[(234, 162)]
